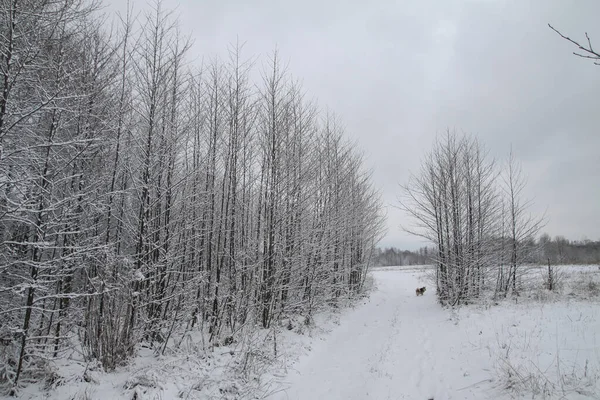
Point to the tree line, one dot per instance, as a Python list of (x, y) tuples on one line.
[(556, 251), (561, 250), (143, 196), (391, 256)]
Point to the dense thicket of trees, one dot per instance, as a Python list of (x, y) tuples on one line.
[(142, 196), (473, 212)]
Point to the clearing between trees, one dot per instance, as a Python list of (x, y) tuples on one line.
[(399, 346)]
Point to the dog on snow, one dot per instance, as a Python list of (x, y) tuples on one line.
[(420, 291)]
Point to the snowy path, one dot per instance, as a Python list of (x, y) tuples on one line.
[(389, 348)]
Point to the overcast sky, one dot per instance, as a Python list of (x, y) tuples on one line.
[(400, 72)]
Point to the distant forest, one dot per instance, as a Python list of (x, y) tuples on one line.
[(557, 250), (391, 256)]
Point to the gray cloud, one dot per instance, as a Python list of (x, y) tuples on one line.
[(399, 73)]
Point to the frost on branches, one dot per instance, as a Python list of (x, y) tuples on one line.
[(143, 198)]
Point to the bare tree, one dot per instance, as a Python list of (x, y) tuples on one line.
[(522, 226), (49, 136)]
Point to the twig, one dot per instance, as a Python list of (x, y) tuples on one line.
[(589, 49), (476, 383)]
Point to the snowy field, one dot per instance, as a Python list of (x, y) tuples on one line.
[(399, 346), (390, 345)]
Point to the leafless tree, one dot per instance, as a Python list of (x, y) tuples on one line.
[(522, 226)]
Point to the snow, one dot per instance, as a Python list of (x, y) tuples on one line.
[(390, 345), (400, 346), (393, 347)]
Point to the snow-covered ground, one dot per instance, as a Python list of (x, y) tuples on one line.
[(390, 345), (400, 346)]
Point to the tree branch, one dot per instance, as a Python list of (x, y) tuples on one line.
[(590, 50)]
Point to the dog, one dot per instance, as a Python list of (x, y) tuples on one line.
[(420, 291)]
